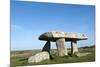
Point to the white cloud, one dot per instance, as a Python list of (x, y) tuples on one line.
[(85, 2)]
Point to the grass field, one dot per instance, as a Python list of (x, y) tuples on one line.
[(18, 60)]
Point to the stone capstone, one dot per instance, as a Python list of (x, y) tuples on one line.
[(53, 36), (39, 57)]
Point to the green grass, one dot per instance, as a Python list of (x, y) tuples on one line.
[(22, 61), (25, 51)]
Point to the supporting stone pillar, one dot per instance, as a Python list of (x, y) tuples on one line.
[(46, 47), (60, 43), (74, 48)]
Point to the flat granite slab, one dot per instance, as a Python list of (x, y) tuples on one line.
[(53, 36)]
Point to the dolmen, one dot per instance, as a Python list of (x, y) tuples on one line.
[(60, 38)]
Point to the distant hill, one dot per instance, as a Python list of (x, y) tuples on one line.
[(92, 46)]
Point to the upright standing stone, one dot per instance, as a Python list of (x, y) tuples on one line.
[(74, 47), (46, 47), (60, 43)]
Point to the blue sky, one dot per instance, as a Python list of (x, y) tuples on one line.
[(30, 19)]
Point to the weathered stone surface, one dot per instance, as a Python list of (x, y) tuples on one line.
[(52, 36), (39, 57), (62, 51), (74, 48), (46, 47)]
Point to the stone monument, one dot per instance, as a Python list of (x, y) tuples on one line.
[(60, 38)]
